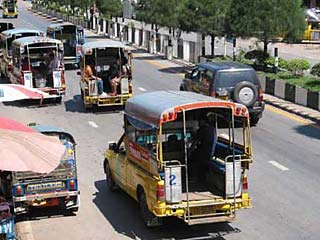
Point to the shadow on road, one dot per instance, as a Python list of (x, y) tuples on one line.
[(143, 58), (76, 105), (38, 214), (123, 214), (311, 130), (174, 70)]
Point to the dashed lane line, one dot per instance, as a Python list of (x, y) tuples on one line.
[(93, 124), (279, 166)]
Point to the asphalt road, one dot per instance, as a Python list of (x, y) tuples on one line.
[(283, 181)]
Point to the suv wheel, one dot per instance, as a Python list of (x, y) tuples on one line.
[(110, 182), (245, 93), (254, 120), (149, 219)]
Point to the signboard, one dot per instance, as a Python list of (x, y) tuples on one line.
[(139, 155), (57, 79), (27, 77), (173, 184), (93, 88), (124, 86)]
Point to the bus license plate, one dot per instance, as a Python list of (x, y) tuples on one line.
[(44, 186), (203, 210)]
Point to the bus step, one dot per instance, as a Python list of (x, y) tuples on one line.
[(206, 220)]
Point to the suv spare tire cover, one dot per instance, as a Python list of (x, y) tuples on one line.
[(245, 93)]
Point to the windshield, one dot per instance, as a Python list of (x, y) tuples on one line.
[(226, 79)]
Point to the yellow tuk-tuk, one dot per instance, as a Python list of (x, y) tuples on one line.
[(102, 56), (163, 162), (6, 39), (38, 63), (9, 9)]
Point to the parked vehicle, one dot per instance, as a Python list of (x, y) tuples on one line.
[(229, 81), (38, 63), (103, 57), (9, 9), (5, 26), (156, 161), (72, 37), (57, 188), (6, 39)]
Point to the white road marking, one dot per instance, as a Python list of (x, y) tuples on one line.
[(93, 124), (278, 165), (142, 89)]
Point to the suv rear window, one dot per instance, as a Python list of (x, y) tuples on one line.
[(227, 79)]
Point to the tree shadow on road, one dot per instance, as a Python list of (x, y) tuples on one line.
[(76, 105), (311, 130), (174, 70), (151, 57), (123, 214)]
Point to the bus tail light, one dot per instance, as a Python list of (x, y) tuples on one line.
[(18, 191), (260, 97), (10, 67), (161, 192), (72, 184), (244, 183)]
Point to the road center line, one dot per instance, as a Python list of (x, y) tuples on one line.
[(93, 124), (142, 89), (279, 166)]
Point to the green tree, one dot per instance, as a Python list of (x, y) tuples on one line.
[(267, 20), (205, 16), (162, 13), (110, 8)]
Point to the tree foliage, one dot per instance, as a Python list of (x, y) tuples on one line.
[(267, 19), (110, 8), (159, 12), (205, 16)]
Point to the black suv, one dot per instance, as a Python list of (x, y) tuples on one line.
[(230, 81)]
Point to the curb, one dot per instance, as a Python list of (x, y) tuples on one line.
[(290, 109)]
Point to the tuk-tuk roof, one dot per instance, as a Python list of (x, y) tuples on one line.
[(50, 129), (101, 44), (22, 42), (11, 32), (6, 24), (152, 107), (56, 26)]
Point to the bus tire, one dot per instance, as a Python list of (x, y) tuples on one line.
[(110, 182), (149, 219)]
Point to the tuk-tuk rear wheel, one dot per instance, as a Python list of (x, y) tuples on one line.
[(149, 219), (110, 182)]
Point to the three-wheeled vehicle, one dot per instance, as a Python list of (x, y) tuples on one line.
[(38, 63), (58, 188), (9, 9), (6, 39), (72, 37), (160, 161), (104, 55), (5, 26)]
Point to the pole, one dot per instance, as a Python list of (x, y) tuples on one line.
[(234, 49), (276, 60)]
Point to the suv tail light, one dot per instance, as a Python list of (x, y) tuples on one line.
[(161, 192), (244, 183), (260, 97)]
